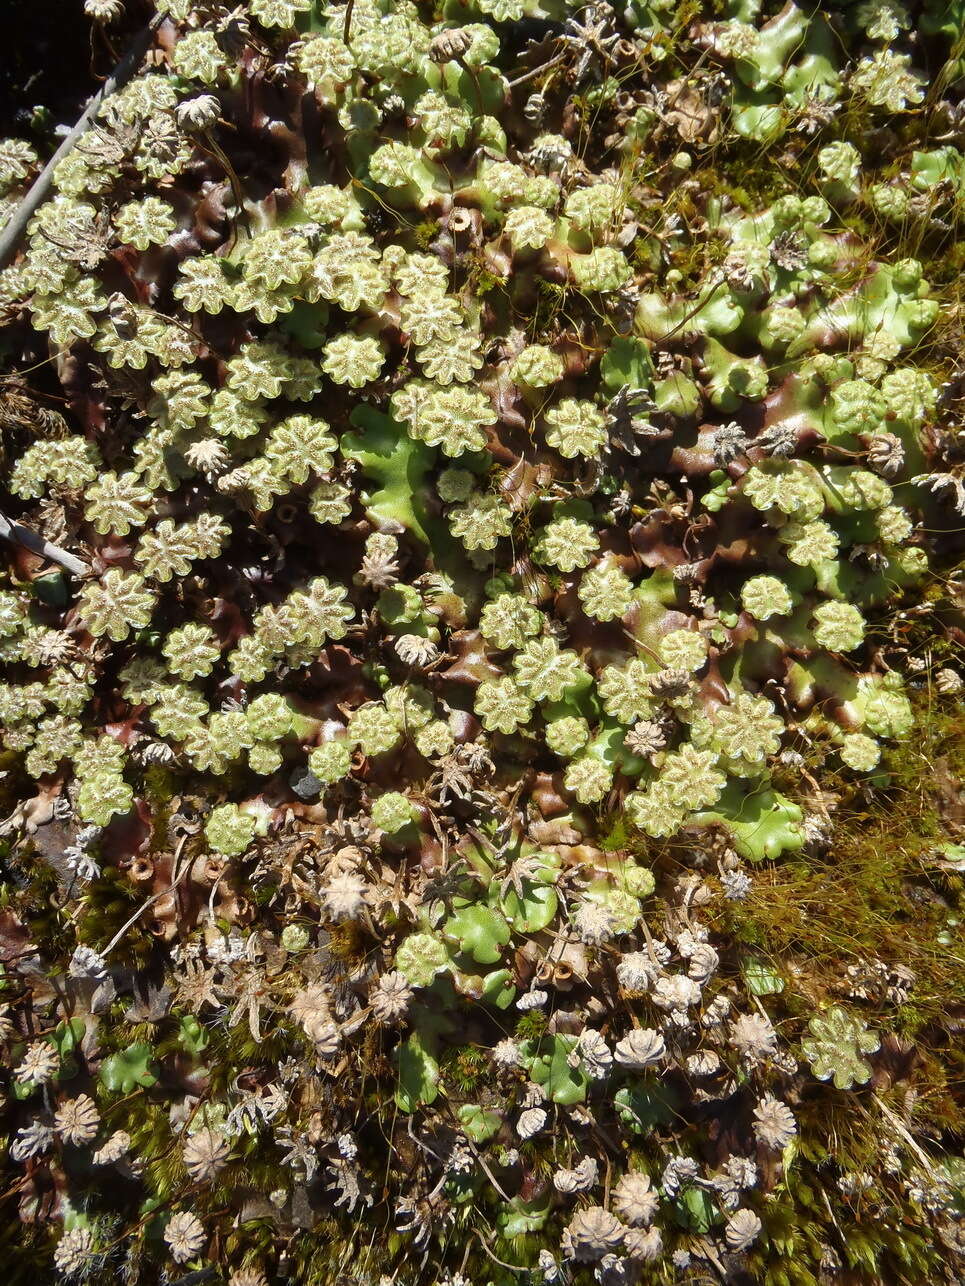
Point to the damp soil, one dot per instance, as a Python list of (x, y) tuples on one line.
[(53, 60)]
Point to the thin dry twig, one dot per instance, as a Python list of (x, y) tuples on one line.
[(40, 188), (19, 535), (156, 897)]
